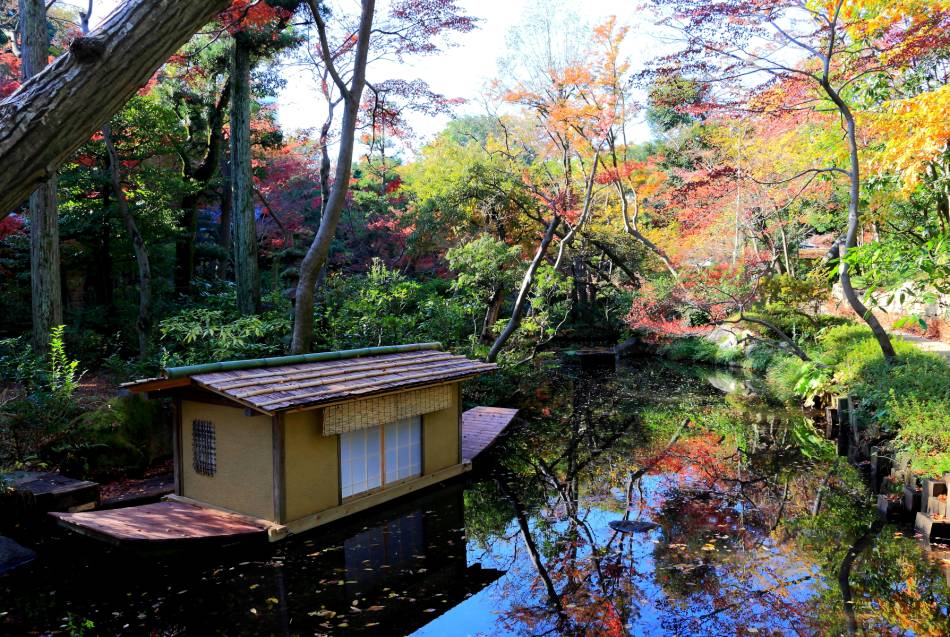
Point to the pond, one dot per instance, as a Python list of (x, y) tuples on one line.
[(637, 501)]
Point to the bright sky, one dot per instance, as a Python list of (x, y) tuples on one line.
[(461, 71)]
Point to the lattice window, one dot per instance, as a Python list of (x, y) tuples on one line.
[(204, 447)]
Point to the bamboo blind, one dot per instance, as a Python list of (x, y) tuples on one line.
[(370, 412)]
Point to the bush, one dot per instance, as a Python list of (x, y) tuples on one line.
[(121, 437), (909, 399), (782, 376), (700, 350), (41, 412), (216, 332)]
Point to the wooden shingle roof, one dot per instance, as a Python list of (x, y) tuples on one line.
[(303, 385)]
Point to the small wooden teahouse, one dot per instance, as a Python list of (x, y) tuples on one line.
[(295, 442)]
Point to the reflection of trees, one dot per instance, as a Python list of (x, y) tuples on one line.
[(752, 530)]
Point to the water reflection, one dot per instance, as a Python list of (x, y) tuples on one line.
[(390, 572), (641, 502)]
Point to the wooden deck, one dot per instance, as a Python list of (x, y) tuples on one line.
[(162, 522), (480, 427)]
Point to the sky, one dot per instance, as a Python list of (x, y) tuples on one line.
[(461, 71)]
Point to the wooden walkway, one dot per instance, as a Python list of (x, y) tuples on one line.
[(162, 522), (480, 427)]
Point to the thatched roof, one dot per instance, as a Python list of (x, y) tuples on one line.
[(339, 376)]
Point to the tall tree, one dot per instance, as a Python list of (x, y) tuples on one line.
[(246, 272), (56, 111), (144, 321), (351, 95), (47, 296)]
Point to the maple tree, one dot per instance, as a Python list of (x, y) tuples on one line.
[(841, 44)]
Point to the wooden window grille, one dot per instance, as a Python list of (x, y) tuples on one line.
[(204, 448)]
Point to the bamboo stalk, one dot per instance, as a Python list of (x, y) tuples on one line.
[(274, 361)]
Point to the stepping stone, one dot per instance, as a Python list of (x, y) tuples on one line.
[(932, 529), (13, 556), (890, 507), (632, 526), (42, 492)]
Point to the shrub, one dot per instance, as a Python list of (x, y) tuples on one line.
[(216, 333), (909, 399), (701, 350), (44, 409)]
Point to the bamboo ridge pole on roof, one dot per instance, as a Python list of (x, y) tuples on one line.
[(229, 366)]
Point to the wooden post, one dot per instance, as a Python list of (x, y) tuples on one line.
[(831, 423), (280, 496), (844, 424), (176, 446)]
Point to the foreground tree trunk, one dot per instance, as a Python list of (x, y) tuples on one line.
[(58, 110), (246, 273), (46, 293), (316, 256), (144, 323), (526, 284)]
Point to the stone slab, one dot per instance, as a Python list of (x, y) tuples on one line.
[(13, 556)]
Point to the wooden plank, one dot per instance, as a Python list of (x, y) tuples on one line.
[(280, 498), (156, 384), (49, 491), (481, 426), (160, 522), (361, 503), (177, 448)]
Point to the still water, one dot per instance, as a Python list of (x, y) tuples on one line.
[(599, 514)]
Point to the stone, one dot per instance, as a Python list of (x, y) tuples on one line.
[(932, 528), (937, 506), (13, 556), (831, 423), (933, 487), (911, 500), (631, 526), (890, 507)]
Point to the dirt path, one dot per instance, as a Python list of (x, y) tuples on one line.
[(928, 345)]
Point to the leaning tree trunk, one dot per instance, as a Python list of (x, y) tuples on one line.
[(316, 256), (246, 273), (526, 284), (144, 323), (58, 110), (46, 289), (851, 238), (492, 312)]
